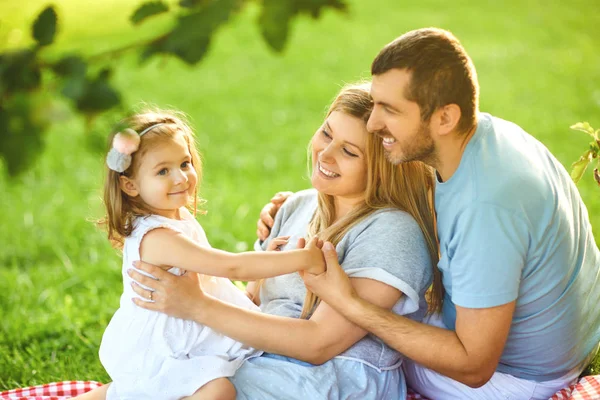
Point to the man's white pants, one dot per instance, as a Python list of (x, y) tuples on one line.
[(500, 386)]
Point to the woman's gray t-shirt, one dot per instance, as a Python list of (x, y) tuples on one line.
[(387, 246)]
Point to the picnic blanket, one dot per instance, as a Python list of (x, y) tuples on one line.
[(587, 388)]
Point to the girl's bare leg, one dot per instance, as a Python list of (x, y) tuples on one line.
[(95, 394), (219, 389)]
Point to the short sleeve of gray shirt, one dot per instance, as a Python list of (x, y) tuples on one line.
[(387, 246)]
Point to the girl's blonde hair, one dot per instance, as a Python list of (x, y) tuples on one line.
[(121, 209), (408, 187)]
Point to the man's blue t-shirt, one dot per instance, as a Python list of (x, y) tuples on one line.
[(512, 226)]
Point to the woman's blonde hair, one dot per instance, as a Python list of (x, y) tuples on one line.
[(408, 187), (121, 209)]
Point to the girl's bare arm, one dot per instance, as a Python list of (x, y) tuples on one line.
[(165, 247)]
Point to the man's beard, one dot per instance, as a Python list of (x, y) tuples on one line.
[(420, 147)]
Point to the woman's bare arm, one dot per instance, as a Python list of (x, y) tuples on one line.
[(326, 334)]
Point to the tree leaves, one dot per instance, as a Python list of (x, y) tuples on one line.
[(584, 127), (274, 22), (89, 95), (276, 16), (44, 27), (19, 70), (147, 10), (315, 7), (197, 21), (192, 3), (21, 138), (97, 94), (578, 167), (70, 66), (190, 39)]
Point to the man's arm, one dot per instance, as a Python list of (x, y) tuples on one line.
[(267, 214), (469, 355)]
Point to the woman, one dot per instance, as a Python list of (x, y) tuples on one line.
[(379, 218)]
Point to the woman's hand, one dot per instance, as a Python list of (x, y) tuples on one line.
[(177, 296), (267, 214), (277, 243)]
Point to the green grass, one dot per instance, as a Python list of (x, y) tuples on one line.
[(254, 113)]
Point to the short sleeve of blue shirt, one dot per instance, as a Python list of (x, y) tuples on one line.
[(388, 246), (486, 273)]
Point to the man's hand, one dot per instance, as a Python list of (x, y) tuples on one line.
[(268, 212), (332, 286), (316, 263)]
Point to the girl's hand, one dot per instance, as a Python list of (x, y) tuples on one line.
[(177, 296), (277, 243), (316, 264)]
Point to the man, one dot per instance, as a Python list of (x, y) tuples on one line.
[(520, 267)]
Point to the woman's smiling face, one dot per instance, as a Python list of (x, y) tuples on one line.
[(339, 165)]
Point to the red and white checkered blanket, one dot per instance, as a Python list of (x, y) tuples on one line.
[(588, 388), (50, 391)]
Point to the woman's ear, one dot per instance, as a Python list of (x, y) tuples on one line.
[(449, 117), (128, 186)]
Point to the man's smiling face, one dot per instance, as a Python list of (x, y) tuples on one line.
[(397, 120)]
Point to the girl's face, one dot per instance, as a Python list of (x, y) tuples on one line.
[(338, 157), (166, 178)]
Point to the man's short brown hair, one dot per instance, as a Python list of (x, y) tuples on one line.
[(441, 72)]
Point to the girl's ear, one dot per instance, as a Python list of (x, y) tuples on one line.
[(128, 186)]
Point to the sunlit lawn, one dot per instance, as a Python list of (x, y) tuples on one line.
[(538, 65)]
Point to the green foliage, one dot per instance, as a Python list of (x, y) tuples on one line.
[(578, 167), (71, 66), (96, 94), (276, 16), (147, 10), (197, 22), (44, 27), (21, 128), (191, 37), (274, 23), (20, 71), (72, 71)]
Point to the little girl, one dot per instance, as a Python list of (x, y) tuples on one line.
[(150, 189)]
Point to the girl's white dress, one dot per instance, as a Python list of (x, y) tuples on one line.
[(150, 355)]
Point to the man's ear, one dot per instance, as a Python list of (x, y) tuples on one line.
[(448, 118), (128, 186)]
